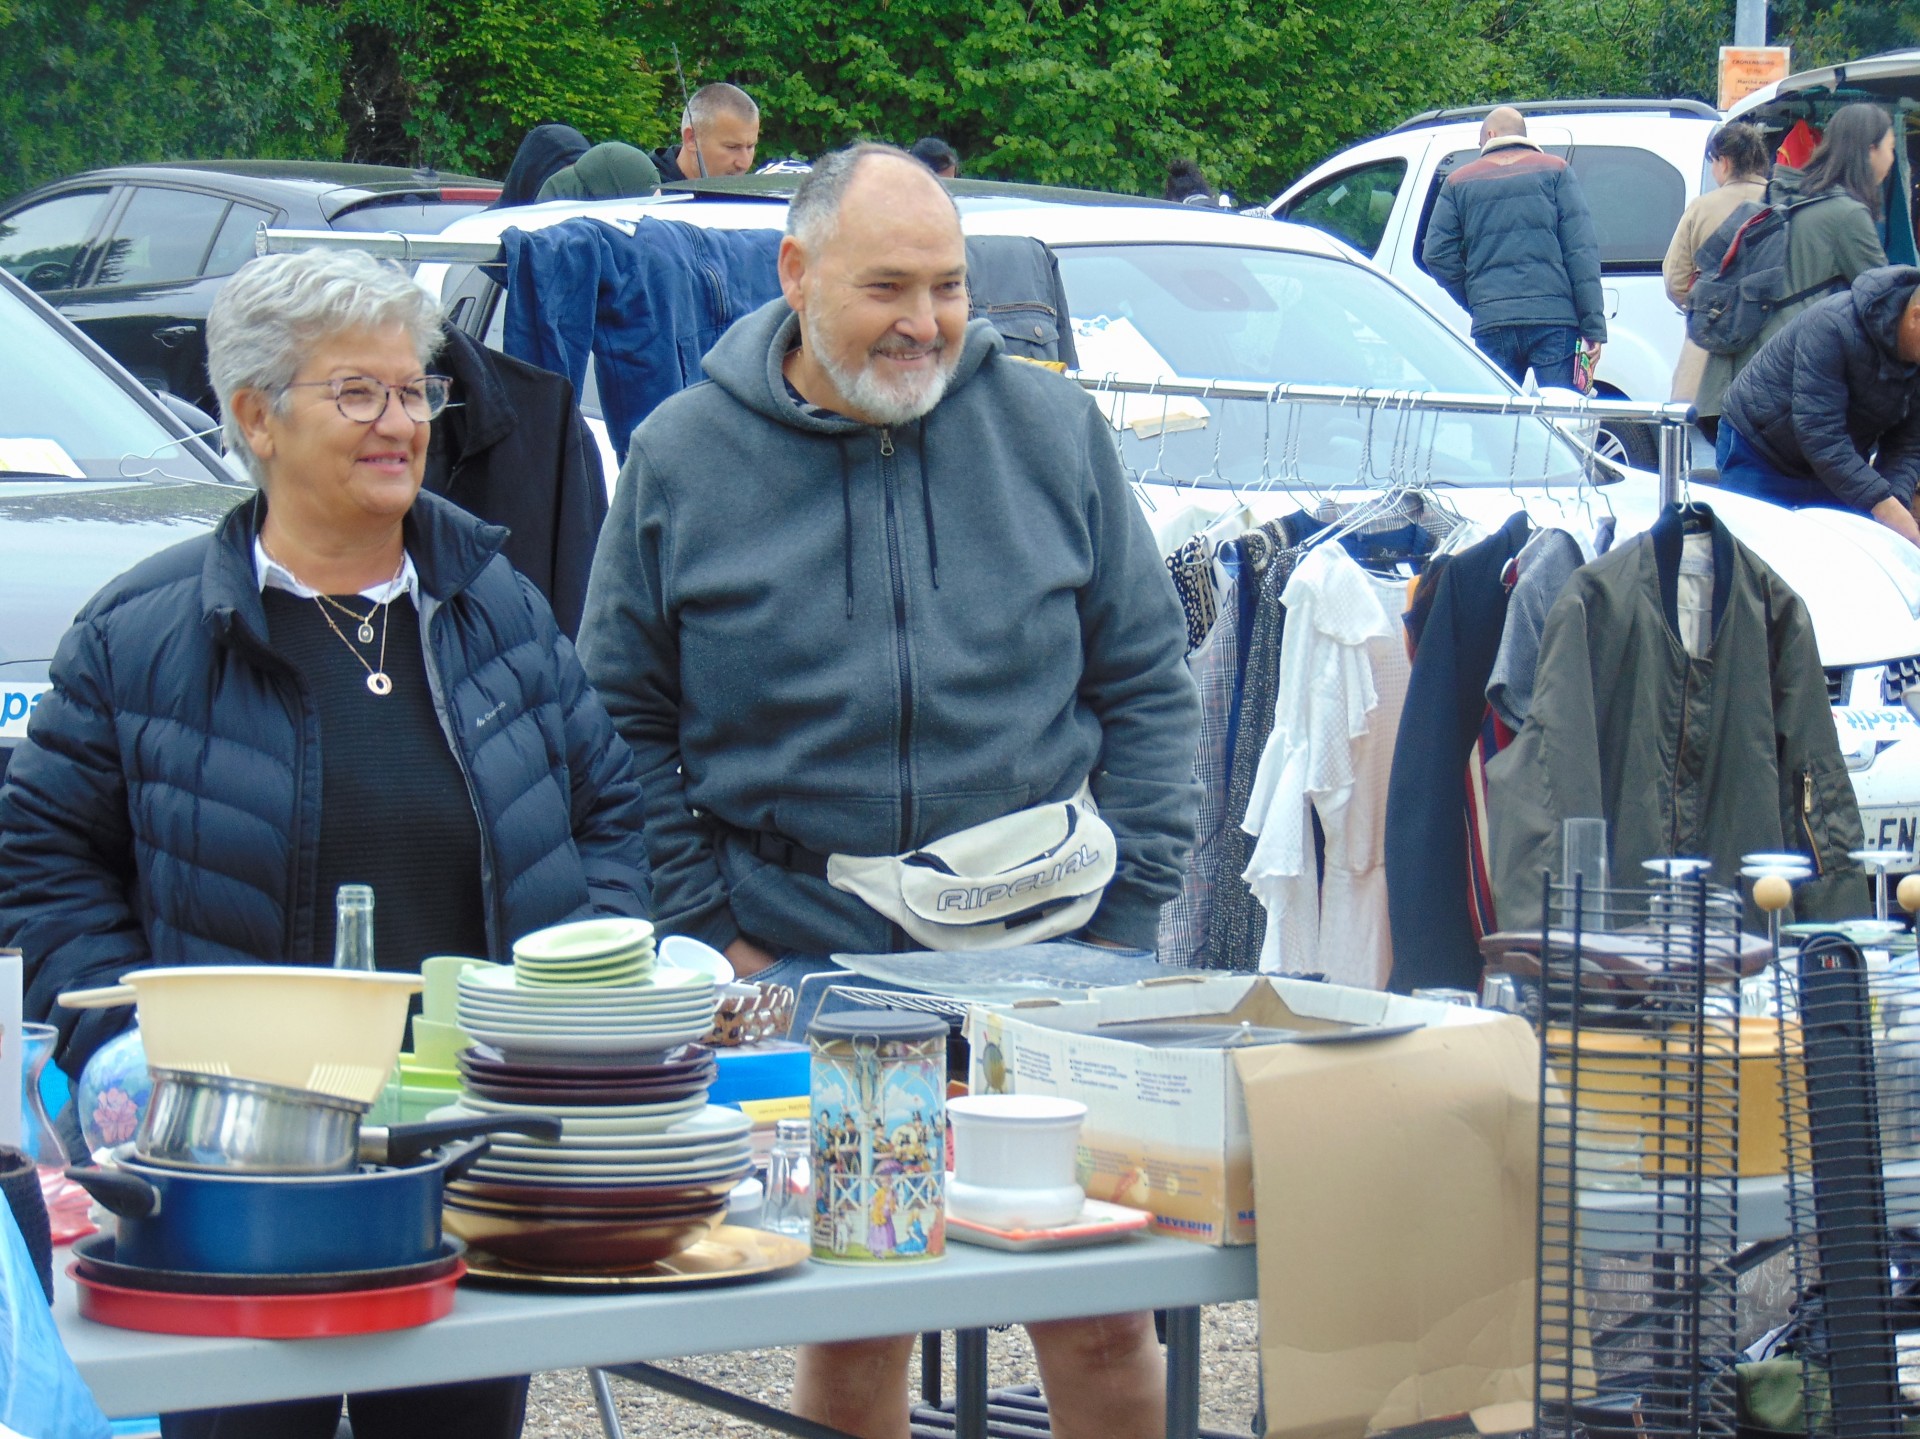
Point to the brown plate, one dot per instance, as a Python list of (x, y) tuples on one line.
[(610, 1196), (485, 1060), (732, 1254), (592, 1246), (679, 1209), (569, 1094)]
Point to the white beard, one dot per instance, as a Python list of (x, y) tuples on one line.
[(884, 402)]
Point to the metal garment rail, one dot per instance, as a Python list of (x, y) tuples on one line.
[(1671, 421)]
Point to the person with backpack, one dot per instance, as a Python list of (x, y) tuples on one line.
[(1738, 156), (1830, 212), (1828, 413)]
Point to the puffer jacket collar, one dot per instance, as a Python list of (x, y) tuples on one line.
[(449, 549)]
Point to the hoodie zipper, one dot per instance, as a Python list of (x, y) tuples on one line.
[(889, 477)]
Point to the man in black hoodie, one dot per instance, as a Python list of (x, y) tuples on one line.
[(1828, 412), (719, 131)]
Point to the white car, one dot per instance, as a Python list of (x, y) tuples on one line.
[(1164, 290), (1639, 163)]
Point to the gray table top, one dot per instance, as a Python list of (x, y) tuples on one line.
[(495, 1331)]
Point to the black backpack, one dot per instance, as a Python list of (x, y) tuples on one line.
[(1743, 277)]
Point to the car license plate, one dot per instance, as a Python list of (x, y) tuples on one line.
[(1895, 827)]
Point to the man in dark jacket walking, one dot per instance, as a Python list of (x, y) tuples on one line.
[(1828, 412), (719, 131), (1512, 242)]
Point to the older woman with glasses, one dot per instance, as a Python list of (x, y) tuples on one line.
[(345, 683)]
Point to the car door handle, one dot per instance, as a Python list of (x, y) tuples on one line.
[(173, 336)]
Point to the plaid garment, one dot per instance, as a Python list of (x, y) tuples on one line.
[(1216, 672)]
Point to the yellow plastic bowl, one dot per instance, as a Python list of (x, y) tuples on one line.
[(330, 1031)]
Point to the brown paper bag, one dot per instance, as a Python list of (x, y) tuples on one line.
[(1395, 1182)]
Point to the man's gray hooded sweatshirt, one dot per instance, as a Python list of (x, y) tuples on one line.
[(862, 639)]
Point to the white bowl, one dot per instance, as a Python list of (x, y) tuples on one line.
[(1015, 1208)]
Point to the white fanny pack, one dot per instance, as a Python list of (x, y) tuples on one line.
[(1035, 874)]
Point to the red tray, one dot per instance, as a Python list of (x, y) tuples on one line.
[(267, 1316)]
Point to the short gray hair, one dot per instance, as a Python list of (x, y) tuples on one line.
[(275, 309), (710, 102), (814, 212)]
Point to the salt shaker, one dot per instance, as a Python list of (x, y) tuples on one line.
[(788, 1206)]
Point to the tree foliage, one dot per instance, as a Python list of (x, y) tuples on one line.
[(1090, 92)]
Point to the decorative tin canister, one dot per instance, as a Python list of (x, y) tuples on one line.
[(879, 1145)]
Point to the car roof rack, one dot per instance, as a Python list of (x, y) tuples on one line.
[(1679, 109)]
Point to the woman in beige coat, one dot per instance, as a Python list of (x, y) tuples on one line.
[(1738, 154)]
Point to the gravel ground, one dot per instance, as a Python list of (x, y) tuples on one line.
[(561, 1404)]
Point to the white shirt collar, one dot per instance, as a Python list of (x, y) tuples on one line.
[(272, 575)]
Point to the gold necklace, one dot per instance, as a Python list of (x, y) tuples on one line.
[(365, 632), (377, 680)]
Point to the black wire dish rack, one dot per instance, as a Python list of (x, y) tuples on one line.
[(1848, 1006), (1639, 1135)]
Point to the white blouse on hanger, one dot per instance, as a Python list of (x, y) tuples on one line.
[(1343, 682)]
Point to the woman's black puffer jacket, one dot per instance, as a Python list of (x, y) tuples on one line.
[(166, 807)]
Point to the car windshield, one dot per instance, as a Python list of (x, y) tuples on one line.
[(1220, 312), (67, 418)]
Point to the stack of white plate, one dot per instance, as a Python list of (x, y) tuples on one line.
[(587, 952), (687, 1144), (585, 1023)]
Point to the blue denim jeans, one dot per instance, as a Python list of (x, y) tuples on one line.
[(1745, 471), (1547, 350)]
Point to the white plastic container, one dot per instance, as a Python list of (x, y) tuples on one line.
[(1013, 1160)]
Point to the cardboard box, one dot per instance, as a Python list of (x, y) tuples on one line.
[(1167, 1128)]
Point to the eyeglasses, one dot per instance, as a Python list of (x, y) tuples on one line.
[(363, 399)]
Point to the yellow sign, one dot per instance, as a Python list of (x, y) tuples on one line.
[(1746, 68)]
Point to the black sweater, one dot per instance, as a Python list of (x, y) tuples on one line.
[(394, 808)]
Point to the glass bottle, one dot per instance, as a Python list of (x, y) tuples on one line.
[(788, 1205), (353, 927)]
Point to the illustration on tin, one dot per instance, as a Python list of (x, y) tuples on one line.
[(878, 1187)]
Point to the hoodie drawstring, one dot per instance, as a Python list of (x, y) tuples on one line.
[(926, 504), (846, 518)]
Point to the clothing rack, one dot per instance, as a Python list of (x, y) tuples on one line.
[(1672, 420)]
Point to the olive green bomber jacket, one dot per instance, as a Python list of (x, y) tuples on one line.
[(1713, 758)]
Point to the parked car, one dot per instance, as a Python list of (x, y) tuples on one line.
[(1891, 80), (1168, 290), (134, 255), (1639, 162), (95, 475)]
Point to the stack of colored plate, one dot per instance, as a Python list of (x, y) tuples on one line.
[(624, 1187), (486, 1073), (588, 951), (616, 1024)]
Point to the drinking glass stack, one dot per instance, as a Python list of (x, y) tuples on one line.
[(586, 1025)]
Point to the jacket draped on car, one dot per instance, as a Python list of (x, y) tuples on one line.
[(1830, 399), (1717, 757), (166, 808)]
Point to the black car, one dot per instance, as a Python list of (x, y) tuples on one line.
[(95, 475), (134, 255)]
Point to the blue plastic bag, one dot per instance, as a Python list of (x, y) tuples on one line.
[(41, 1394)]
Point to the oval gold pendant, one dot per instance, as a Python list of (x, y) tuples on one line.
[(366, 633), (379, 683)]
